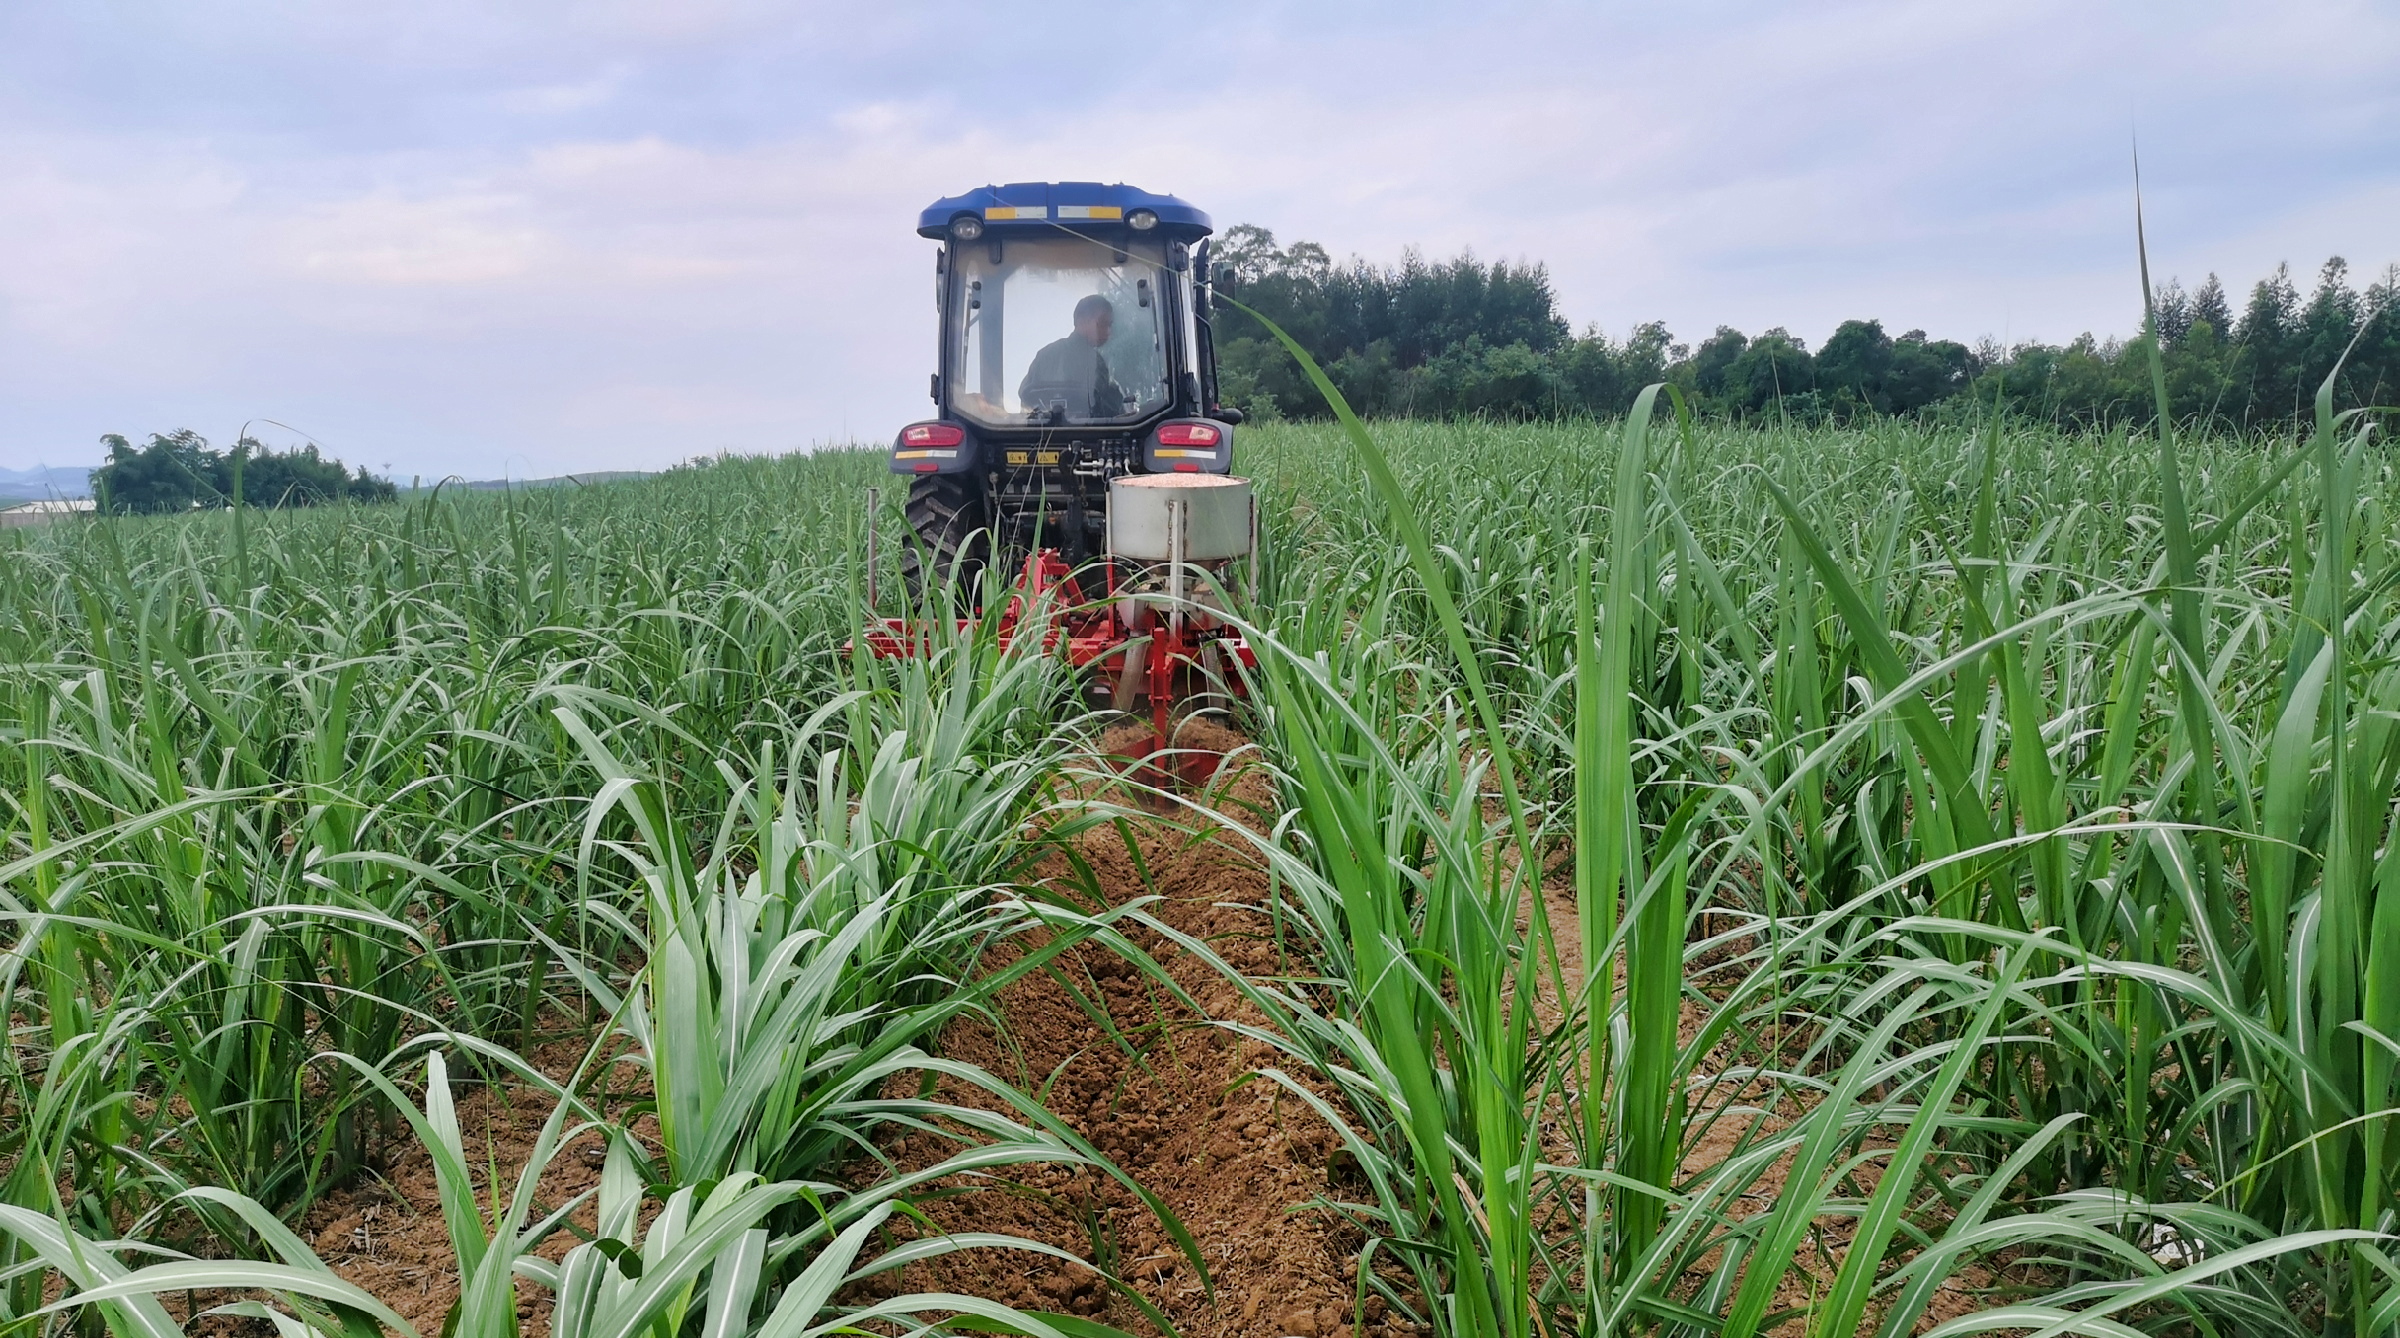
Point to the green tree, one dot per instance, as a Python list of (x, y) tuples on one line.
[(1382, 328), (2327, 327), (2378, 352), (1924, 372), (300, 477), (2270, 337), (1601, 377), (1707, 367), (1467, 337), (2174, 311), (177, 471), (2209, 307), (1855, 366), (1775, 367)]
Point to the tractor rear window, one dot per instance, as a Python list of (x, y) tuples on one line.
[(1057, 330)]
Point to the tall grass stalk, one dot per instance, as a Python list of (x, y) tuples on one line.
[(1987, 817)]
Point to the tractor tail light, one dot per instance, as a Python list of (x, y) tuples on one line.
[(932, 434), (1189, 434)]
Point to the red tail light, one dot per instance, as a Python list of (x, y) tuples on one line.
[(935, 434), (1189, 434)]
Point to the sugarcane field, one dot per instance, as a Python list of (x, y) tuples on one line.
[(1198, 789)]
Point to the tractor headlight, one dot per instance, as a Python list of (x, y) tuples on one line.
[(1141, 220), (966, 227)]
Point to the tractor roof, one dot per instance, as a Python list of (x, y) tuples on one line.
[(1044, 203)]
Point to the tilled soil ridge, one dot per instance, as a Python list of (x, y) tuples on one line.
[(1173, 1099)]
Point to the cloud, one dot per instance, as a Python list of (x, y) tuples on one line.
[(584, 236), (561, 98), (385, 239)]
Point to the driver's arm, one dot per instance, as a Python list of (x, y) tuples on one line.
[(1108, 398)]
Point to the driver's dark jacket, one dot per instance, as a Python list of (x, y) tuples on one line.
[(1074, 366)]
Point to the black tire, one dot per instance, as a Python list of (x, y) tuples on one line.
[(954, 539)]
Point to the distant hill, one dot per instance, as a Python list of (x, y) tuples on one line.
[(580, 480), (599, 476), (28, 485), (44, 481)]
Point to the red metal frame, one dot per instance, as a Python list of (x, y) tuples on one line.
[(1089, 633)]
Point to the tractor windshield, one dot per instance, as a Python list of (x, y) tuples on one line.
[(1057, 330)]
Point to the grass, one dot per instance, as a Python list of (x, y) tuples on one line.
[(1979, 847), (2027, 774), (297, 803)]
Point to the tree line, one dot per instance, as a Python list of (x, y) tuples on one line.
[(177, 471), (1462, 337)]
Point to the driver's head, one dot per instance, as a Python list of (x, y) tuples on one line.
[(1094, 318)]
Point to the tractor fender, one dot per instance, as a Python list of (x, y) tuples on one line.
[(951, 447), (1186, 456)]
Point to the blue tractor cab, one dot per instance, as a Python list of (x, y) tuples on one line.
[(1075, 349)]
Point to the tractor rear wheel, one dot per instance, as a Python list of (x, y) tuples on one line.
[(954, 538)]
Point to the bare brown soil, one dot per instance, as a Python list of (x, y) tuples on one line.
[(1172, 1099)]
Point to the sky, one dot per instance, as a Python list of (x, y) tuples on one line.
[(520, 239)]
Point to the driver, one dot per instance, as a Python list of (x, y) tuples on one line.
[(1073, 369)]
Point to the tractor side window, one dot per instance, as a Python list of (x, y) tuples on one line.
[(1058, 330)]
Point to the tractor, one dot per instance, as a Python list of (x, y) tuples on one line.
[(1078, 456)]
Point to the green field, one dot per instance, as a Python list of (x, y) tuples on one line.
[(1987, 834)]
